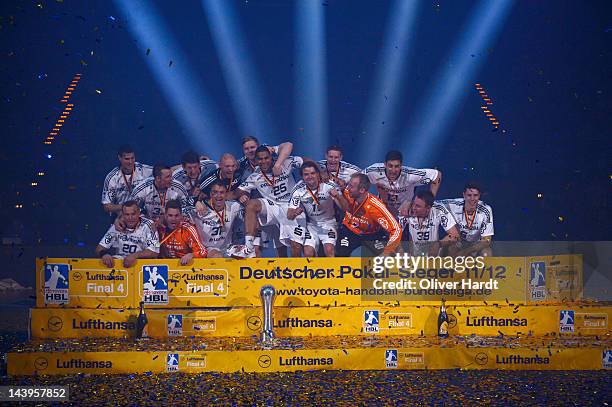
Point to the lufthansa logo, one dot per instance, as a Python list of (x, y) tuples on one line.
[(452, 321), (481, 358), (55, 324), (76, 276), (176, 276), (264, 361), (254, 323), (41, 363)]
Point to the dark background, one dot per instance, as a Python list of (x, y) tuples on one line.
[(548, 73)]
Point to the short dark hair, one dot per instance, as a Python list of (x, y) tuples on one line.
[(124, 149), (364, 181), (218, 183), (173, 204), (261, 149), (309, 164), (334, 148), (425, 195), (472, 185), (394, 155), (129, 203), (190, 157), (157, 169), (249, 138)]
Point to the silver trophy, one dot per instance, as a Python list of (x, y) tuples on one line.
[(268, 293)]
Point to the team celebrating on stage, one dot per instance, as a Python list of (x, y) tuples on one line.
[(269, 198)]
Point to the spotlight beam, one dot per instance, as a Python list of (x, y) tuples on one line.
[(311, 77), (238, 71), (179, 83), (391, 70), (456, 78)]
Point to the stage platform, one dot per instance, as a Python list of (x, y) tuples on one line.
[(538, 320)]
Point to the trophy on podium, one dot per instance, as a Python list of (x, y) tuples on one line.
[(268, 293)]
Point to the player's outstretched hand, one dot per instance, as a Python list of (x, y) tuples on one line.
[(200, 208), (243, 199), (404, 209), (108, 261), (119, 224), (186, 259)]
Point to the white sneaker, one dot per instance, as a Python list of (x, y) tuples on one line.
[(241, 252)]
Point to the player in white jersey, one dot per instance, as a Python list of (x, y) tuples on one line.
[(336, 170), (248, 162), (475, 221), (268, 236), (121, 181), (275, 188), (138, 241), (216, 221), (191, 172), (316, 199), (422, 227), (395, 183), (153, 193)]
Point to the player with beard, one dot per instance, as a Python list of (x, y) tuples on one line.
[(395, 183), (274, 181)]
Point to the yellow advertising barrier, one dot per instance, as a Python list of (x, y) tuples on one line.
[(554, 278), (459, 357), (325, 321), (87, 283)]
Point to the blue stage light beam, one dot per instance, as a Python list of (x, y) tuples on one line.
[(240, 76), (453, 82), (388, 79), (311, 78), (179, 83)]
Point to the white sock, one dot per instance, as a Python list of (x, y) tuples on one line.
[(248, 240)]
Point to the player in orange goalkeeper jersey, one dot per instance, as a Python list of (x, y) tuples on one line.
[(179, 239)]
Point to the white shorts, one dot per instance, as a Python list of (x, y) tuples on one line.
[(268, 237), (289, 230), (321, 234)]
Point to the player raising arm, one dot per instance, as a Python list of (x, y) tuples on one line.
[(272, 208)]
